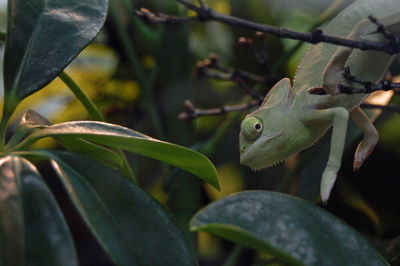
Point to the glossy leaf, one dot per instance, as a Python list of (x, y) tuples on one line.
[(120, 137), (132, 227), (12, 239), (29, 121), (42, 39), (97, 152), (40, 235), (296, 231), (32, 120)]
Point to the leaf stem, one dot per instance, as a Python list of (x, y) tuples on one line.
[(87, 103), (146, 82), (3, 129), (4, 119), (211, 146), (96, 115), (126, 43), (233, 257), (82, 97)]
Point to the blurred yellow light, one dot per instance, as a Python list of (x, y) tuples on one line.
[(148, 62)]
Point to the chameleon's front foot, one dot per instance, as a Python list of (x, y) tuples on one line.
[(338, 116), (327, 182)]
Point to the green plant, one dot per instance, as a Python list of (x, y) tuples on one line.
[(129, 225), (41, 40)]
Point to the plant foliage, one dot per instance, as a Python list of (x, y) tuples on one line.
[(129, 225)]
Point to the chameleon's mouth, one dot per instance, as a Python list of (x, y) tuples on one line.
[(268, 165), (245, 157)]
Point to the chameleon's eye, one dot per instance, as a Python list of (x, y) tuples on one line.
[(252, 128)]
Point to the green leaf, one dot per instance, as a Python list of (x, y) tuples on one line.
[(94, 151), (132, 227), (295, 231), (42, 39), (12, 239), (34, 231), (32, 120), (120, 137)]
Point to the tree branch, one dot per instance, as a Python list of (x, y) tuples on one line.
[(255, 95), (191, 112), (388, 108), (258, 54), (150, 17), (368, 86), (212, 69), (205, 13), (382, 30)]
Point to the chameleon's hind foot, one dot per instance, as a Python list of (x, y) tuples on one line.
[(370, 137), (364, 149)]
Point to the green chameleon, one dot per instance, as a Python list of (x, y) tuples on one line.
[(291, 119)]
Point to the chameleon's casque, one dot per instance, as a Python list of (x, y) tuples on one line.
[(290, 119)]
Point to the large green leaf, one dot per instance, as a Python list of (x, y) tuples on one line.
[(97, 152), (132, 227), (12, 239), (32, 120), (33, 229), (43, 36), (296, 231), (120, 137)]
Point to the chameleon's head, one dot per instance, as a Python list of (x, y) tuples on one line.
[(262, 136)]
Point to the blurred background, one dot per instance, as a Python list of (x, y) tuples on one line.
[(140, 74)]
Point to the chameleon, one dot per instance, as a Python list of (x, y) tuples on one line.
[(291, 118)]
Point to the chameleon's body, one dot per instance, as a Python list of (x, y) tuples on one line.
[(291, 118)]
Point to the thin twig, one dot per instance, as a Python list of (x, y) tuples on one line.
[(255, 95), (205, 13), (191, 112), (384, 85), (230, 75), (150, 17), (248, 43), (202, 4), (191, 6), (258, 53), (388, 108), (368, 86), (395, 40), (263, 56), (212, 69)]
